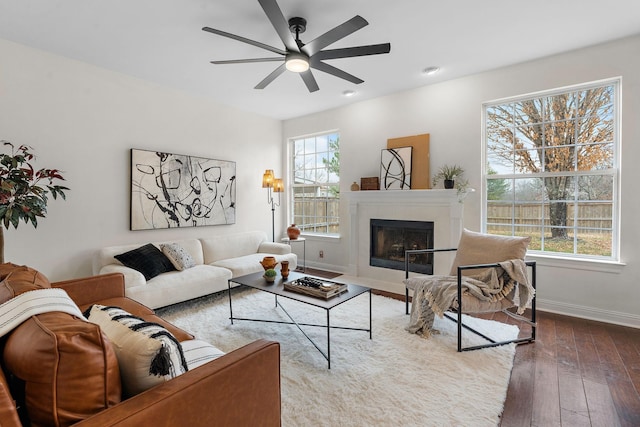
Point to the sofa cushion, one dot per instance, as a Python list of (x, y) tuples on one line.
[(179, 257), (105, 256), (67, 365), (231, 245), (178, 286), (147, 353), (147, 259)]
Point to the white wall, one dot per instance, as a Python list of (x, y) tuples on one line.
[(451, 113), (84, 120)]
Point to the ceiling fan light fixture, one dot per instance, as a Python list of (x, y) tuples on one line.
[(297, 63), (298, 56)]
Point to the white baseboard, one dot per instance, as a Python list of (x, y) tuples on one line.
[(590, 313), (321, 266)]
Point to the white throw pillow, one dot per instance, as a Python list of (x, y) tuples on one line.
[(179, 257), (147, 353), (480, 248)]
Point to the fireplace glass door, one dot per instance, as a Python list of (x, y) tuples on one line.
[(391, 238)]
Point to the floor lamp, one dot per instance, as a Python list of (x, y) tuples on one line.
[(273, 185)]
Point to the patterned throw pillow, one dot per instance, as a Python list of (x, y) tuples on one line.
[(147, 259), (179, 257), (147, 353)]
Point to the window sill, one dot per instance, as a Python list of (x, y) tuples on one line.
[(603, 266), (321, 237)]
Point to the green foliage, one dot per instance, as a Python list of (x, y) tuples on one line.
[(270, 273), (333, 164), (456, 174), (22, 195), (447, 172), (496, 188)]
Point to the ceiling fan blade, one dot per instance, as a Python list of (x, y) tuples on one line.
[(309, 80), (246, 61), (245, 40), (280, 24), (271, 77), (329, 69), (332, 36), (374, 49)]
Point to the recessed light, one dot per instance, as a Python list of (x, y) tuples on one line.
[(429, 71), (348, 93)]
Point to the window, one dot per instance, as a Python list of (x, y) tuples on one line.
[(316, 183), (551, 170)]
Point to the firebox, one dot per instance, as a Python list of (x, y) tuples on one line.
[(390, 238)]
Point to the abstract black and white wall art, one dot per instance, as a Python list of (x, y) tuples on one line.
[(174, 190), (395, 168)]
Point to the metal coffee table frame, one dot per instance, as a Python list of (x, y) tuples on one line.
[(256, 281)]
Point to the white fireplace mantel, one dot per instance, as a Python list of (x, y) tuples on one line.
[(443, 207)]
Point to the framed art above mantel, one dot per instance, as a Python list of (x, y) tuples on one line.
[(420, 178), (176, 190)]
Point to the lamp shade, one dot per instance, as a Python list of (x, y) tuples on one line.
[(278, 185), (267, 179)]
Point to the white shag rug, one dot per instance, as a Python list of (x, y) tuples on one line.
[(394, 379)]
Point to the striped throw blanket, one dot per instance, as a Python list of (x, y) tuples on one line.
[(18, 309)]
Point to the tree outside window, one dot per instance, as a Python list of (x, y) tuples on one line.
[(551, 170), (316, 183)]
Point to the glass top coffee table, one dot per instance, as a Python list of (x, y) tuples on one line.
[(256, 281)]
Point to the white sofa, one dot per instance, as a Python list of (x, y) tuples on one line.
[(217, 259)]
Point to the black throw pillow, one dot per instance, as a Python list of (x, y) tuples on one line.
[(147, 259)]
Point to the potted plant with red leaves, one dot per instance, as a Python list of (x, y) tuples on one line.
[(24, 190)]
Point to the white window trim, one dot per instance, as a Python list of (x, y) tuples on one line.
[(289, 194)]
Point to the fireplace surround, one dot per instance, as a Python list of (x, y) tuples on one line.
[(441, 207)]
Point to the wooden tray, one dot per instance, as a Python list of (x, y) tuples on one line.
[(327, 290)]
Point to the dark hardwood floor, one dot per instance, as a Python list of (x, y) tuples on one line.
[(577, 373)]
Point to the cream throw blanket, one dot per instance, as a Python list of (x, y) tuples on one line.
[(18, 309), (436, 294)]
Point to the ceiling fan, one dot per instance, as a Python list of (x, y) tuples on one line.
[(300, 57)]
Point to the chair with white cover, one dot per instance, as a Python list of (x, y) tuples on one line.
[(482, 280)]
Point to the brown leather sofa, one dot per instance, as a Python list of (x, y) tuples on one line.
[(241, 388)]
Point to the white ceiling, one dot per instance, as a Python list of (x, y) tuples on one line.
[(162, 41)]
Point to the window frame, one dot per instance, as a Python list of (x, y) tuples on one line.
[(292, 218), (614, 171)]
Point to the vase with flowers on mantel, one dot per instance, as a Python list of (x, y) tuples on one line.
[(293, 232)]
